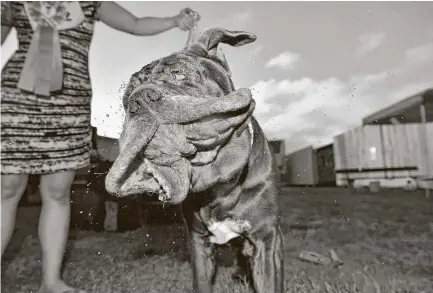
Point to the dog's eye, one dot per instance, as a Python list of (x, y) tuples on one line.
[(178, 75)]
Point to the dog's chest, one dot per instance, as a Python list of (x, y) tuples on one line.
[(229, 228), (226, 230)]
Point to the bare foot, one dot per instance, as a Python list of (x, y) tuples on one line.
[(59, 287)]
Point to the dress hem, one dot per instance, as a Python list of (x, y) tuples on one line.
[(37, 172)]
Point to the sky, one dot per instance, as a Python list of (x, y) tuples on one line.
[(315, 70)]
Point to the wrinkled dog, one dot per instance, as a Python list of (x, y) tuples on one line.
[(189, 138)]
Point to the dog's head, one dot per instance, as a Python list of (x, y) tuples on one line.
[(179, 111)]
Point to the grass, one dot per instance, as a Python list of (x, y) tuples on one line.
[(385, 241)]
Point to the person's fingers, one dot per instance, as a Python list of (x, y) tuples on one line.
[(181, 23), (197, 16), (182, 27), (188, 19), (188, 10), (185, 24), (189, 13)]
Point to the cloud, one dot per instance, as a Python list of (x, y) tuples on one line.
[(369, 43), (422, 53), (308, 111), (415, 59), (285, 60)]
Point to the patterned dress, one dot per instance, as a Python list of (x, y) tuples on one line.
[(47, 134)]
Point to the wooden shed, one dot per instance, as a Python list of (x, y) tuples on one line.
[(301, 168), (393, 146), (325, 165)]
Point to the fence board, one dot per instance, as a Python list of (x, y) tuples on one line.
[(429, 159), (385, 146)]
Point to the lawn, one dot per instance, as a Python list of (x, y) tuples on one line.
[(385, 241)]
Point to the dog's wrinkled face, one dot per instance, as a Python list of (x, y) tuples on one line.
[(186, 74), (179, 111)]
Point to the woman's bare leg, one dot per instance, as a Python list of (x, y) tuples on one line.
[(12, 188), (54, 227)]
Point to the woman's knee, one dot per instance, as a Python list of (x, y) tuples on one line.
[(13, 186), (57, 186)]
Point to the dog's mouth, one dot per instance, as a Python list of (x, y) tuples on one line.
[(163, 192), (144, 178), (168, 184)]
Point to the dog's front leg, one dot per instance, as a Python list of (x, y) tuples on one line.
[(267, 263), (203, 262), (202, 252)]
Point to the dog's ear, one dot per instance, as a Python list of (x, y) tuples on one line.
[(209, 40), (207, 43)]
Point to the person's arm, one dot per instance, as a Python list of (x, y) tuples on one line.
[(120, 19), (5, 32)]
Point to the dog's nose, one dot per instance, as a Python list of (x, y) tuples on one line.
[(133, 107), (152, 94), (146, 93)]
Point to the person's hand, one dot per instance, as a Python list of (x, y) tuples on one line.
[(187, 19)]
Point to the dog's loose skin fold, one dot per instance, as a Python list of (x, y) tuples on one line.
[(189, 137)]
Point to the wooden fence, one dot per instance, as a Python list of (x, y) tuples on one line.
[(385, 146)]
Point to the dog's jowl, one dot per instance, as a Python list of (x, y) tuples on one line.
[(189, 138)]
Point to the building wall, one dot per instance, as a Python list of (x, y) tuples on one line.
[(325, 166), (301, 167), (108, 148)]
